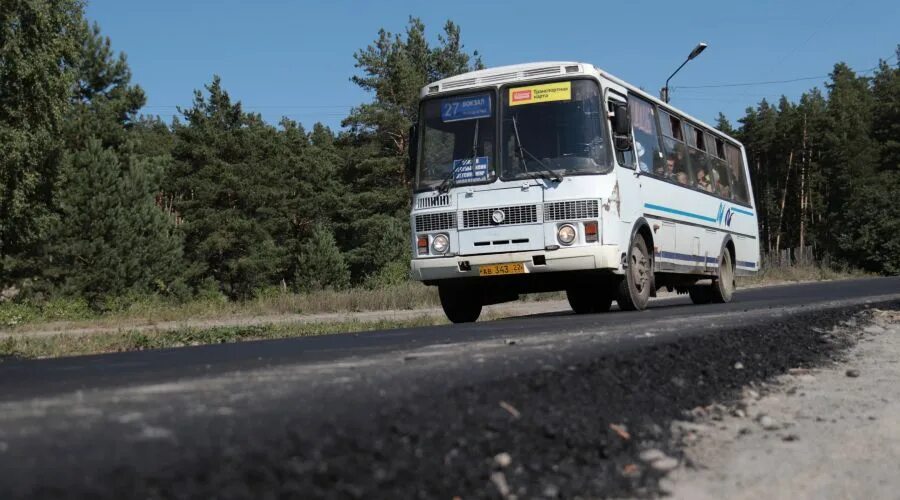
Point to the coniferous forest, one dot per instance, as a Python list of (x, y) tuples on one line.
[(99, 201)]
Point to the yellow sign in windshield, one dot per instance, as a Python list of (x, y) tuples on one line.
[(559, 91)]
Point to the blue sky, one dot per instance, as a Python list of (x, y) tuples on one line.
[(295, 58)]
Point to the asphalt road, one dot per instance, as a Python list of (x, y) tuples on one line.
[(404, 413)]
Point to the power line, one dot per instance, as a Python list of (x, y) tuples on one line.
[(749, 84), (772, 82)]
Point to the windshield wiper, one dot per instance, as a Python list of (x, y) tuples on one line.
[(546, 170), (446, 182)]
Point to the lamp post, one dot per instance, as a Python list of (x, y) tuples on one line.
[(664, 93)]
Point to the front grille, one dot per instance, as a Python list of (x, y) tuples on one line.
[(441, 200), (435, 222), (481, 217), (570, 210)]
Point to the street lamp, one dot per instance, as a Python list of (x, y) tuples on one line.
[(664, 93)]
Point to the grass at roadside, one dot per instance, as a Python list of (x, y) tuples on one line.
[(75, 313), (771, 274), (24, 346)]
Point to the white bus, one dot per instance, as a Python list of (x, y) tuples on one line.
[(559, 176)]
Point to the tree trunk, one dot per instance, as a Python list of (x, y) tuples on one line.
[(803, 198), (787, 180)]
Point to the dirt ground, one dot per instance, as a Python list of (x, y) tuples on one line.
[(829, 433)]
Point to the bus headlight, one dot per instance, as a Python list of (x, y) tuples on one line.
[(440, 244), (566, 234)]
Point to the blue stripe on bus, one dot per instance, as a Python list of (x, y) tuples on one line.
[(679, 212), (684, 256), (741, 211), (699, 258)]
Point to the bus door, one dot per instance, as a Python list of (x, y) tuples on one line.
[(627, 179)]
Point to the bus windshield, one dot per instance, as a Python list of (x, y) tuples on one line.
[(457, 140), (554, 128)]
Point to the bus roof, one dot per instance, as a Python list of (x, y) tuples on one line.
[(547, 69)]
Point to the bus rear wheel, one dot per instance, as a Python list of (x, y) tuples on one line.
[(461, 304), (588, 300), (722, 288), (633, 291)]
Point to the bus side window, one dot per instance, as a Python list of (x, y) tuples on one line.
[(736, 166), (676, 167), (720, 179), (646, 135), (698, 156)]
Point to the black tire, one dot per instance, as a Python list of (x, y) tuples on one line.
[(460, 304), (633, 292), (722, 289), (587, 300)]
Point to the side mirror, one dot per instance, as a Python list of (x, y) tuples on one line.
[(412, 152), (621, 119), (621, 123)]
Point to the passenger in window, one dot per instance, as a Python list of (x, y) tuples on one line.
[(682, 178), (716, 185), (642, 163), (703, 180), (719, 187), (668, 170), (724, 191)]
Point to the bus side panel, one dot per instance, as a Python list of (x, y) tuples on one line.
[(701, 224), (749, 256)]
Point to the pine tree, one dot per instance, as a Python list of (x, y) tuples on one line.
[(39, 43), (849, 156), (320, 264), (374, 219), (248, 194), (886, 113), (105, 103), (110, 238), (724, 125)]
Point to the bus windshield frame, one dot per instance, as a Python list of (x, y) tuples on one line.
[(452, 164), (526, 129)]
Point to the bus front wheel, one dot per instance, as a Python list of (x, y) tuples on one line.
[(461, 304), (633, 292)]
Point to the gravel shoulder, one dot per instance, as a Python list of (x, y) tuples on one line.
[(826, 433)]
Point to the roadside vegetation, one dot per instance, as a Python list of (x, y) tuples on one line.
[(779, 270), (76, 312), (24, 346)]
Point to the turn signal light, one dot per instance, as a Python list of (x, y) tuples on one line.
[(422, 244), (591, 234)]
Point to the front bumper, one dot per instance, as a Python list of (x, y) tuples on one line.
[(563, 259)]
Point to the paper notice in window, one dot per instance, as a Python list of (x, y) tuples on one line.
[(533, 94)]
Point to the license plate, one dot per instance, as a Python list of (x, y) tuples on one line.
[(501, 269)]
